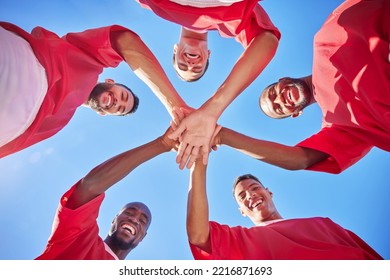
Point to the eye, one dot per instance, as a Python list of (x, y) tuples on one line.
[(182, 66)]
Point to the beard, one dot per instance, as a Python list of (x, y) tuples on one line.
[(120, 244), (304, 93)]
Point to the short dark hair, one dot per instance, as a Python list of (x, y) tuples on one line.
[(193, 80), (242, 178)]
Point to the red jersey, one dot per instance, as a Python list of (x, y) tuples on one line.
[(351, 83), (242, 20), (72, 64), (75, 233), (295, 239)]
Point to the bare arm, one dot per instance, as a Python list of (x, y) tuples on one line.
[(198, 231), (287, 157), (146, 66), (198, 127), (105, 175)]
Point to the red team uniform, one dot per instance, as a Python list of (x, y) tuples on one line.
[(72, 64), (75, 233), (243, 20), (351, 82), (292, 239)]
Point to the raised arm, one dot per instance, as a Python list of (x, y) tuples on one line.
[(198, 127), (105, 175), (198, 231), (146, 66), (287, 157)]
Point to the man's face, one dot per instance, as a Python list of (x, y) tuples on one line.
[(131, 225), (116, 101), (254, 200), (285, 98), (190, 58)]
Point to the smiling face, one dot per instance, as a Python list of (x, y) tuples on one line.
[(110, 98), (190, 58), (255, 201), (285, 98), (130, 225)]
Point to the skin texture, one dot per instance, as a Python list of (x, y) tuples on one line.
[(191, 55), (287, 157), (116, 101), (287, 97)]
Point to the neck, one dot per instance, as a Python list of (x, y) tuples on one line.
[(309, 83), (274, 216), (121, 254), (193, 34)]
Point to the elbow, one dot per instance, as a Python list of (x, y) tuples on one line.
[(197, 238), (271, 41), (303, 158), (88, 186)]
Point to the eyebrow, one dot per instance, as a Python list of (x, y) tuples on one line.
[(133, 208), (254, 183)]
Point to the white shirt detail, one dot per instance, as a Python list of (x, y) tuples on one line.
[(23, 86), (108, 249)]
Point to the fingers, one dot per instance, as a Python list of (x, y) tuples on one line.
[(173, 125), (205, 154), (178, 132), (187, 155), (193, 157), (182, 154)]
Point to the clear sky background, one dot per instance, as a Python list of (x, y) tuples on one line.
[(33, 180)]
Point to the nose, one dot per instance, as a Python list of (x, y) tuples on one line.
[(278, 100), (250, 195), (134, 220)]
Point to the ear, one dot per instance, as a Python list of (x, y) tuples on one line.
[(297, 114), (242, 212), (270, 193), (101, 113), (113, 220), (209, 52), (109, 81), (175, 48)]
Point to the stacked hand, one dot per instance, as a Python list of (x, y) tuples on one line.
[(195, 132)]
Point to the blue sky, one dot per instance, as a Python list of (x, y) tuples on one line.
[(32, 181)]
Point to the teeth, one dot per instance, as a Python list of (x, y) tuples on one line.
[(130, 228), (109, 101), (192, 55), (257, 203)]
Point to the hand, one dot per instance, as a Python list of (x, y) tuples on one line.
[(194, 133), (216, 139), (170, 144), (178, 114)]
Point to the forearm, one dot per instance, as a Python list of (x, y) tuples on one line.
[(247, 68), (287, 157), (105, 175), (146, 66), (197, 207)]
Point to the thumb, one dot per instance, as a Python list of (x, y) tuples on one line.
[(178, 131)]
